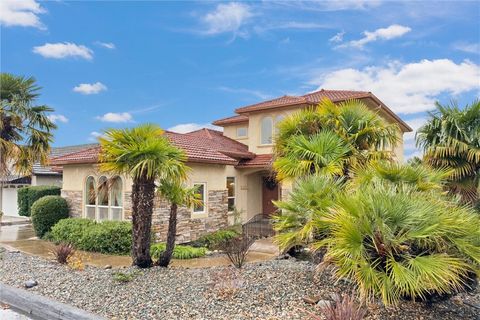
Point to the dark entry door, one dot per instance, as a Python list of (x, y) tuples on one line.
[(270, 191)]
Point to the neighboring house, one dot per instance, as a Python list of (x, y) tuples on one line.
[(232, 170), (41, 176)]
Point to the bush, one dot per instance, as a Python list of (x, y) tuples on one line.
[(110, 237), (213, 239), (237, 249), (63, 252), (28, 195), (179, 252), (46, 212)]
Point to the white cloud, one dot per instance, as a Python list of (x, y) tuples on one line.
[(120, 117), (90, 88), (338, 37), (108, 45), (94, 135), (391, 32), (409, 137), (406, 88), (256, 93), (189, 127), (467, 47), (63, 50), (58, 118), (227, 17), (331, 5), (22, 13)]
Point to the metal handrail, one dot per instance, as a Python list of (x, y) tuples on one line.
[(259, 226)]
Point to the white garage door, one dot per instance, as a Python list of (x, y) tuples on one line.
[(9, 201)]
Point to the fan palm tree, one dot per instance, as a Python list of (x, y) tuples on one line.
[(177, 195), (451, 139), (25, 129), (366, 134), (146, 155)]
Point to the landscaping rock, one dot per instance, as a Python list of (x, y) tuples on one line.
[(30, 283), (311, 300), (107, 267), (323, 303)]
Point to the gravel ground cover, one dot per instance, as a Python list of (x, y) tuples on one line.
[(267, 290)]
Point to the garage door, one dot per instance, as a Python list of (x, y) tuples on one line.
[(9, 201)]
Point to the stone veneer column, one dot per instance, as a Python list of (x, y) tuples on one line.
[(75, 202)]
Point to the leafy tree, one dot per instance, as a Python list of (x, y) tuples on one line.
[(363, 136), (451, 139), (25, 129), (146, 155), (177, 195)]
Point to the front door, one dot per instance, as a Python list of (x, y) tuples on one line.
[(270, 192)]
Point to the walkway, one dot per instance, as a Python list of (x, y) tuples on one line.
[(22, 238)]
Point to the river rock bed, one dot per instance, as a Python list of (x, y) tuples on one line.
[(268, 290)]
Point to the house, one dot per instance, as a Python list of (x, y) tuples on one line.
[(40, 176), (231, 168)]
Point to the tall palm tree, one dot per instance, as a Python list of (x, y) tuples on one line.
[(367, 135), (451, 139), (146, 155), (25, 129), (177, 195)]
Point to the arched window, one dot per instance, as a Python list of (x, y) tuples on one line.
[(90, 197), (116, 204), (103, 198), (267, 130)]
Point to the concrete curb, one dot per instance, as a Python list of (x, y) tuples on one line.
[(42, 307)]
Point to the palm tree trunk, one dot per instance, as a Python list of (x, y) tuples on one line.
[(172, 230), (143, 195)]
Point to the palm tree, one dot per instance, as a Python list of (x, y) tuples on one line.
[(25, 129), (451, 139), (146, 155), (177, 195), (366, 135)]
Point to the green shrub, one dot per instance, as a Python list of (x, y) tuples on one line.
[(180, 252), (46, 212), (28, 195), (110, 237), (213, 239)]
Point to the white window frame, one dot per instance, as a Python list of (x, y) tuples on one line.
[(242, 136), (109, 205), (234, 197), (204, 198)]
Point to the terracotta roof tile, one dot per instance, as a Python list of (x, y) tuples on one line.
[(229, 120), (260, 160)]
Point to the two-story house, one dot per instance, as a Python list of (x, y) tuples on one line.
[(231, 169)]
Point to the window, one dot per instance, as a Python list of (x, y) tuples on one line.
[(278, 119), (242, 132), (90, 197), (200, 192), (231, 193), (105, 201), (267, 130)]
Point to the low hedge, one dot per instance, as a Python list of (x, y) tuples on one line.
[(110, 237), (46, 212), (179, 252), (28, 195), (213, 239)]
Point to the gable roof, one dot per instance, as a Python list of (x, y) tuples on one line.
[(311, 99), (234, 119), (201, 146)]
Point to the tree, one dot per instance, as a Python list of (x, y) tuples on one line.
[(451, 139), (25, 129), (366, 135), (146, 155), (177, 195)]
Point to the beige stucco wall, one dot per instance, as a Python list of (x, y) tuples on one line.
[(44, 180), (231, 132)]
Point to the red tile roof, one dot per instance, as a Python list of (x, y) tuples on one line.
[(230, 120), (311, 99), (204, 146), (260, 161)]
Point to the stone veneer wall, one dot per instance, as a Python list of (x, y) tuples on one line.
[(75, 202), (188, 228)]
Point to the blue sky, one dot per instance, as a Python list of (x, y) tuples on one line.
[(116, 64)]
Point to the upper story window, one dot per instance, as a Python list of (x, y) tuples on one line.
[(242, 132), (278, 119), (105, 201), (267, 130), (200, 194)]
